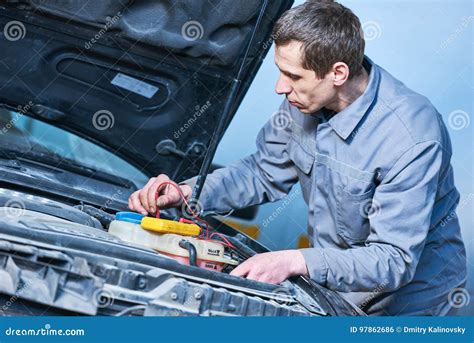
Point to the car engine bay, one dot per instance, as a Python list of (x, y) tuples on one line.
[(59, 259)]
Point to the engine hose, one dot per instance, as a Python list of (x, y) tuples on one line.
[(185, 244)]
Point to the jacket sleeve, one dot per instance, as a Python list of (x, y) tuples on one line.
[(266, 175), (398, 229)]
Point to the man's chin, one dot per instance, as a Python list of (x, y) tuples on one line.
[(302, 108), (306, 110)]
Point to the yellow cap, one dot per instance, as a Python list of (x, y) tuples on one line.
[(170, 226)]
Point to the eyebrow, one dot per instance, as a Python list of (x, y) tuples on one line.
[(286, 72)]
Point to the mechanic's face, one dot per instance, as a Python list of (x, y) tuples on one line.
[(301, 86)]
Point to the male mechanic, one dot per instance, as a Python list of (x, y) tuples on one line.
[(373, 161)]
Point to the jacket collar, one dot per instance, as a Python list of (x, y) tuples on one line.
[(345, 122)]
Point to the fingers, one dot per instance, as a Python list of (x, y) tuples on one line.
[(167, 200), (242, 270), (258, 268), (135, 205), (249, 271), (169, 196), (143, 201), (252, 269), (130, 204), (187, 190), (261, 277), (151, 191), (142, 195)]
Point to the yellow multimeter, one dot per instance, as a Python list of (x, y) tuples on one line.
[(169, 226)]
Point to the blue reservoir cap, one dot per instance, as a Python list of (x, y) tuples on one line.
[(131, 217)]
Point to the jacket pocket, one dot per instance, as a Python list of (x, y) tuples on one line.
[(354, 210), (302, 159)]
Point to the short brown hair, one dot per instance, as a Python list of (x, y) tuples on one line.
[(329, 33)]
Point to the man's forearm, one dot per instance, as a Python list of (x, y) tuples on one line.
[(241, 185)]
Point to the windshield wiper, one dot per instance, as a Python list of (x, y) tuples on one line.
[(52, 160)]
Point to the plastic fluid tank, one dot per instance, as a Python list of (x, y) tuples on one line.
[(210, 255)]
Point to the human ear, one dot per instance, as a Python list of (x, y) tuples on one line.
[(340, 72)]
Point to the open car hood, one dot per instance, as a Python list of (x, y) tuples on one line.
[(147, 80)]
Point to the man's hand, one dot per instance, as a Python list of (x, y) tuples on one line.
[(143, 200), (272, 267)]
